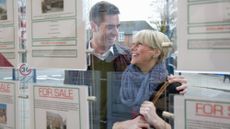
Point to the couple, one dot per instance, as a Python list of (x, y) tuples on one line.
[(104, 22)]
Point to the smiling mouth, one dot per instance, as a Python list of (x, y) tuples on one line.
[(134, 55)]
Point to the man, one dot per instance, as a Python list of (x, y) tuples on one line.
[(104, 21), (107, 55)]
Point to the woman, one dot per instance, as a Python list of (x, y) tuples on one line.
[(147, 70)]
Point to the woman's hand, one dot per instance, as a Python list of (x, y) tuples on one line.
[(184, 86), (148, 111), (136, 123)]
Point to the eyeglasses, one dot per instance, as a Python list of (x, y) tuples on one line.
[(138, 44)]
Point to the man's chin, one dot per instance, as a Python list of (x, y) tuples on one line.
[(107, 47), (109, 44), (111, 41)]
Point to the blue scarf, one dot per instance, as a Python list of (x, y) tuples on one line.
[(136, 87)]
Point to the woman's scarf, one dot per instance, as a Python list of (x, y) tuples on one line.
[(136, 87)]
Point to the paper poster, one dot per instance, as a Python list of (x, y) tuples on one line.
[(203, 35), (60, 107), (8, 33), (7, 105), (56, 34), (205, 113)]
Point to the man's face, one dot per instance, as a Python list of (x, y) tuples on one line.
[(106, 33)]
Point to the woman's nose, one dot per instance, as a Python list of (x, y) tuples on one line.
[(133, 47)]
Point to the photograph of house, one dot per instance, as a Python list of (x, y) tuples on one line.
[(55, 121), (3, 113), (52, 6), (3, 10)]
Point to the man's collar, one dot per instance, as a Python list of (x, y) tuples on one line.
[(101, 56)]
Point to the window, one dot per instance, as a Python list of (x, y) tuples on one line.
[(121, 37)]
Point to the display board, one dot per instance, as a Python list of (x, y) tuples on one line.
[(56, 34), (8, 33), (59, 107), (203, 35), (8, 105), (201, 113)]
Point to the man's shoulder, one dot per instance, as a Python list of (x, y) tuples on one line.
[(122, 49), (121, 46)]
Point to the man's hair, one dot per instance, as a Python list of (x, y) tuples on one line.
[(100, 9)]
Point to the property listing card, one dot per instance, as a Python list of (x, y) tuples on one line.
[(57, 34), (205, 113), (8, 33), (59, 107), (7, 105), (203, 35)]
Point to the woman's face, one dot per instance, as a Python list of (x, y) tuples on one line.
[(142, 54)]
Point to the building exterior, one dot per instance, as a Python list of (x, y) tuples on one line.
[(129, 28)]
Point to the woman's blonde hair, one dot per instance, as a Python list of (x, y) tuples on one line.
[(155, 40)]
